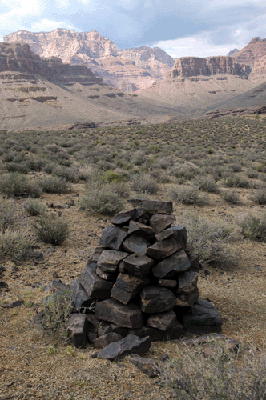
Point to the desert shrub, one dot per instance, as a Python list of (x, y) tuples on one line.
[(144, 184), (102, 199), (235, 167), (114, 176), (208, 185), (14, 243), (18, 185), (186, 170), (51, 230), (49, 168), (254, 227), (260, 197), (231, 197), (193, 376), (54, 184), (69, 174), (87, 173), (139, 158), (252, 175), (20, 167), (7, 214), (34, 207), (35, 164), (236, 181), (209, 238), (188, 195), (165, 162)]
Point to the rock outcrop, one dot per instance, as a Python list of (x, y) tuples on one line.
[(187, 67), (128, 70), (251, 53)]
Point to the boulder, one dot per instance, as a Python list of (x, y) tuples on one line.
[(136, 244), (77, 329), (162, 321), (202, 318), (112, 237), (166, 234), (167, 283), (158, 335), (180, 233), (160, 222), (172, 265), (95, 287), (124, 217), (131, 344), (185, 300), (187, 282), (153, 206), (109, 260), (80, 297), (146, 365), (126, 288), (141, 230), (106, 339), (194, 261), (128, 316), (108, 276), (155, 299), (163, 249), (97, 252), (138, 266)]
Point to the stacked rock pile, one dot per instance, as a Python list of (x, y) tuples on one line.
[(141, 281)]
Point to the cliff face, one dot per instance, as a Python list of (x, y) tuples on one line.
[(250, 54), (193, 66), (19, 57), (128, 70)]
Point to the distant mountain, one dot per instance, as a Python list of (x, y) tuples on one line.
[(128, 70), (232, 52), (250, 54)]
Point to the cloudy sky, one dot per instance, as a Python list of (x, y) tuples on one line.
[(180, 27)]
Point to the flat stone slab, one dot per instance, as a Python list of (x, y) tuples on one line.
[(172, 265), (95, 287), (128, 316), (131, 344), (106, 339), (141, 230), (187, 281), (126, 288), (166, 234), (163, 249), (112, 237), (136, 244), (162, 321), (155, 299), (109, 260), (97, 252), (124, 217), (107, 276), (153, 206), (77, 329), (202, 318), (146, 365), (160, 222), (138, 266)]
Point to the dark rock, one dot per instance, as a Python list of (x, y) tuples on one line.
[(124, 217), (131, 344), (138, 265), (202, 318), (92, 336), (158, 335), (13, 304), (77, 330), (112, 237), (4, 286), (136, 244), (171, 266), (109, 260), (106, 339), (146, 365), (160, 222), (153, 206), (80, 297), (167, 234), (126, 288), (162, 321), (167, 283), (95, 287), (189, 248), (128, 316), (163, 249), (57, 286), (186, 300), (141, 230), (194, 261), (122, 268), (97, 252), (187, 281), (156, 299), (106, 327), (180, 234), (105, 275)]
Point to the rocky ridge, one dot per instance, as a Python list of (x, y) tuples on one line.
[(128, 70)]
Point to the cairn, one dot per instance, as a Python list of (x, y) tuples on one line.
[(140, 285)]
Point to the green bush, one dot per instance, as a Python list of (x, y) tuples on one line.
[(236, 181), (34, 207), (254, 227), (18, 185), (114, 176), (187, 195), (51, 230), (260, 197), (208, 185), (102, 199), (231, 197), (144, 184), (54, 184)]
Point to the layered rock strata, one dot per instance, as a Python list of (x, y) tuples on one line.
[(141, 281)]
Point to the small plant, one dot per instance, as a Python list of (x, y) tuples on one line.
[(208, 185), (260, 197), (51, 230), (18, 185), (14, 244), (7, 214), (102, 199), (187, 195), (231, 197), (144, 184), (254, 227), (70, 351), (34, 207), (236, 181), (50, 350), (54, 185), (114, 176)]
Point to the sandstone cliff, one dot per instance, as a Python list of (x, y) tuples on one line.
[(128, 70), (187, 67), (250, 54)]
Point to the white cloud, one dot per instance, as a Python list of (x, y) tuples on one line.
[(46, 25)]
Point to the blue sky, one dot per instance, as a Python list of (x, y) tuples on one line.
[(181, 28)]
